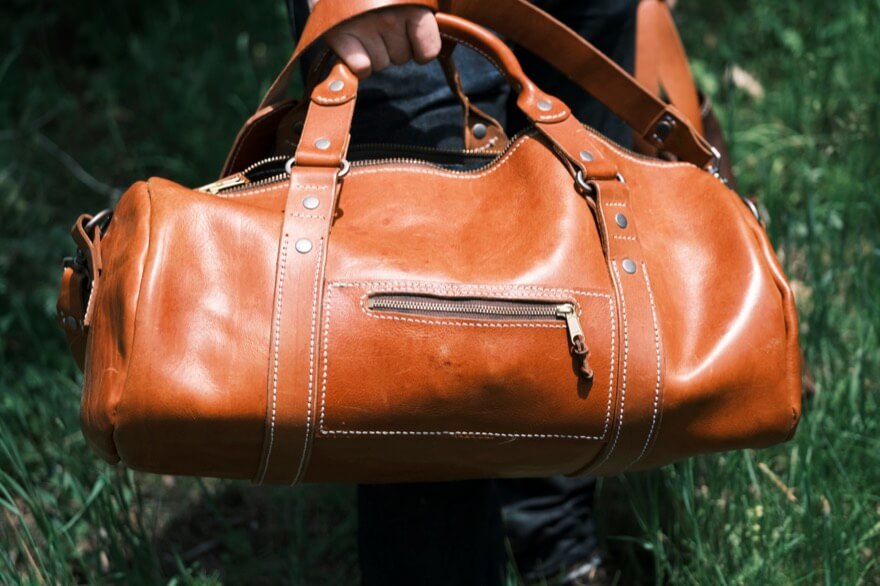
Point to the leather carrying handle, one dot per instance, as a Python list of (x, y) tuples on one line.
[(549, 115), (532, 28)]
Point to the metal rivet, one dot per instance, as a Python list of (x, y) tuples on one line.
[(311, 202), (480, 130), (322, 144), (70, 322), (303, 245), (629, 265), (544, 105), (620, 178), (621, 220), (336, 85), (586, 156)]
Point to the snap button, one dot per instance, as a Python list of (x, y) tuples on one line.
[(303, 245)]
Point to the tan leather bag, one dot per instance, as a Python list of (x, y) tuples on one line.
[(565, 306)]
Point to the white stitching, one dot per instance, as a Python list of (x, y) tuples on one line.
[(324, 354), (615, 204), (480, 51), (396, 285), (657, 349), (325, 101), (552, 117), (309, 216), (278, 306), (619, 286), (424, 171), (624, 237), (306, 443), (247, 191), (506, 290)]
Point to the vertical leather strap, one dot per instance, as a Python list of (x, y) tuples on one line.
[(640, 378), (299, 281)]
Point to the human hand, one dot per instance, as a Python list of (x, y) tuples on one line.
[(373, 41)]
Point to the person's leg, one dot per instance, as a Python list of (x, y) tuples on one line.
[(430, 534)]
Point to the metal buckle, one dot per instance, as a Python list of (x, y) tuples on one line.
[(344, 167)]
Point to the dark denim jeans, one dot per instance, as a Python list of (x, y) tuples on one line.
[(454, 533)]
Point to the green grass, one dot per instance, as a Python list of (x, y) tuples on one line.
[(94, 96)]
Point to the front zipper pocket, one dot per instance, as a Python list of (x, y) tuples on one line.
[(461, 360), (494, 309)]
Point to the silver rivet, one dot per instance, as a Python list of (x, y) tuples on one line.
[(629, 265), (586, 156), (70, 322), (322, 144), (620, 178), (544, 105), (621, 220), (311, 202), (480, 130), (303, 245), (336, 85)]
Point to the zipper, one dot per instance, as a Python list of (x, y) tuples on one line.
[(268, 170), (493, 309)]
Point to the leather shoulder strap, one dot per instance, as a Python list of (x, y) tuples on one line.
[(661, 60)]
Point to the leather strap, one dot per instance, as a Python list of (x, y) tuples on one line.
[(661, 61), (290, 412), (640, 376), (520, 21)]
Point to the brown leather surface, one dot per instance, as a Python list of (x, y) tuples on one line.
[(216, 349)]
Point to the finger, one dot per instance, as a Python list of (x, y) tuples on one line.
[(351, 51), (375, 46), (392, 28), (424, 35)]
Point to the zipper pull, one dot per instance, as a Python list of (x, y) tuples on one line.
[(576, 336), (223, 184)]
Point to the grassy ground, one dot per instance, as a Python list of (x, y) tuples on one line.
[(94, 95)]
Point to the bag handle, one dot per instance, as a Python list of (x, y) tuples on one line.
[(324, 141), (532, 28)]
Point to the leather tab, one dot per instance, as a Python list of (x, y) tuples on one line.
[(640, 378), (299, 288)]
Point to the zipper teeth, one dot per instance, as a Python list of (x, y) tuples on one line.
[(535, 310), (264, 181), (413, 161), (261, 162)]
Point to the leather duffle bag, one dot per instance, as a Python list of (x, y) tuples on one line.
[(558, 306)]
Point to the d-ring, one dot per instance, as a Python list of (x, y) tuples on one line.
[(101, 219), (586, 187), (289, 165)]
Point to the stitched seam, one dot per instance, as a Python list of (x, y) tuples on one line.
[(438, 173), (306, 443), (615, 204), (611, 367), (246, 191), (309, 216), (322, 100), (619, 286), (489, 144), (650, 163), (324, 354), (480, 51), (551, 117), (465, 433), (441, 286), (277, 333), (624, 237), (506, 290), (657, 350)]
